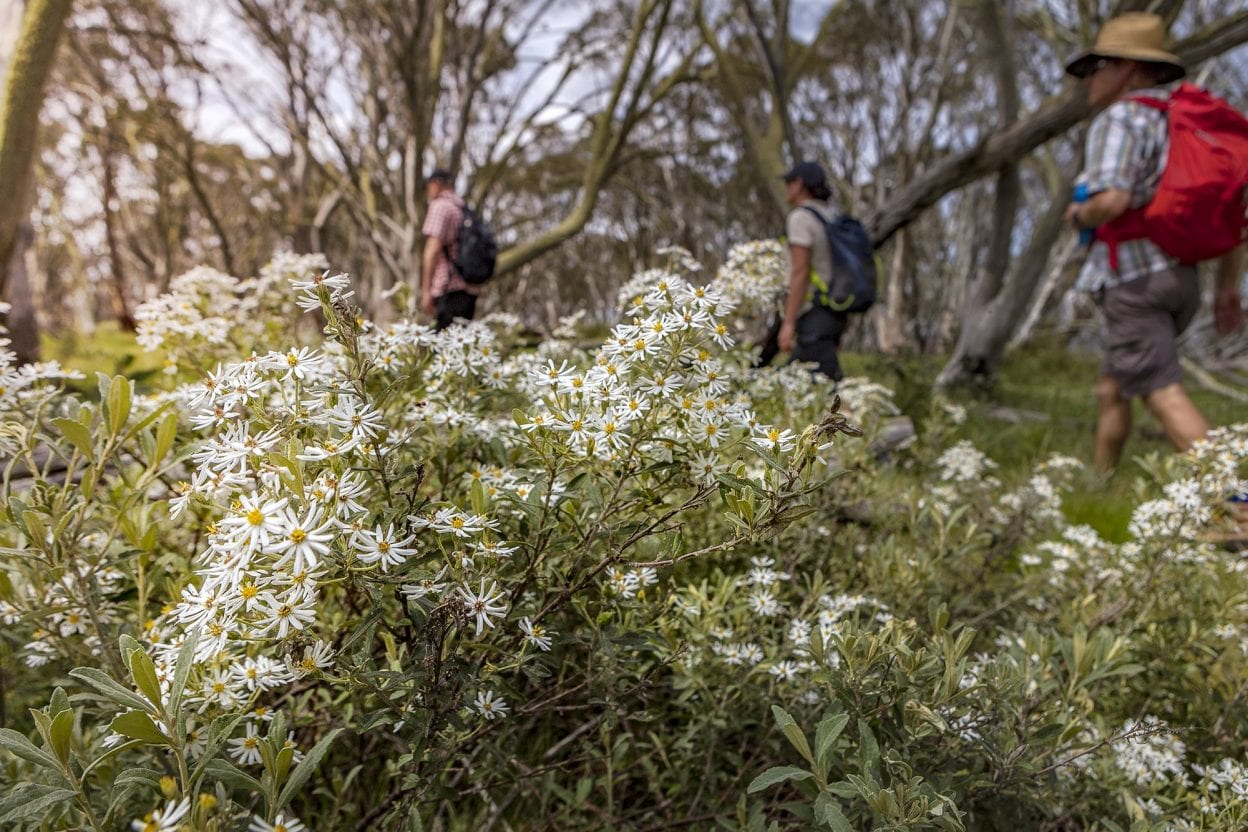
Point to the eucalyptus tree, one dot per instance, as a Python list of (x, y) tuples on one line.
[(21, 99), (370, 95), (132, 189)]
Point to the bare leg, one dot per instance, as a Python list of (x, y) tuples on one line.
[(1180, 419), (1113, 424)]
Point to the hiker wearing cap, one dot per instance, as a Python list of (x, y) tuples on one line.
[(810, 331), (444, 293), (1147, 297)]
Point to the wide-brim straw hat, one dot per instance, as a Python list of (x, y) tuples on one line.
[(1135, 36)]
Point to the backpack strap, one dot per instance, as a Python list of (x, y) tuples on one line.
[(464, 214), (1150, 102), (819, 286)]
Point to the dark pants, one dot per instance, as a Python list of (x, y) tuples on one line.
[(454, 305), (819, 334)]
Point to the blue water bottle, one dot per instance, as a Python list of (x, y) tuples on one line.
[(1086, 235)]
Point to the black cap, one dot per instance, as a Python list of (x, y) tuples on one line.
[(440, 175), (810, 173)]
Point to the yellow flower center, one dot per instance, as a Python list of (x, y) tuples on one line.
[(255, 517)]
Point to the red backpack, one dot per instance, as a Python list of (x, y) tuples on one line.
[(1199, 211)]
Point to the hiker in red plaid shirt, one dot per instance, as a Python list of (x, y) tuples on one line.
[(444, 294)]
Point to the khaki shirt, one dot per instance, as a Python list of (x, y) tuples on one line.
[(806, 231)]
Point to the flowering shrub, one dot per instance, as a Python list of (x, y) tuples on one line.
[(397, 578)]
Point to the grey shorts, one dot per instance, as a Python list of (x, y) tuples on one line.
[(1143, 320)]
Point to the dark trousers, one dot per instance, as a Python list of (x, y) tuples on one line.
[(819, 334), (454, 305)]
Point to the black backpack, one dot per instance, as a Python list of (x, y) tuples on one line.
[(854, 279), (478, 250)]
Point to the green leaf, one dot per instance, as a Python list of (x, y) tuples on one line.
[(182, 670), (233, 777), (282, 766), (828, 730), (143, 669), (24, 794), (137, 777), (109, 688), (868, 749), (165, 434), (128, 645), (844, 789), (60, 735), (118, 403), (59, 701), (303, 772), (828, 812), (78, 435), (277, 729), (477, 496), (37, 804), (816, 644), (139, 726), (36, 529), (777, 774), (18, 745), (43, 723), (791, 730)]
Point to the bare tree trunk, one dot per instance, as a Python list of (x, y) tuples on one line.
[(1052, 280), (21, 322), (890, 320), (117, 285), (985, 333), (25, 80)]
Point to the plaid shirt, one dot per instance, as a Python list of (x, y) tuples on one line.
[(1126, 150), (442, 220)]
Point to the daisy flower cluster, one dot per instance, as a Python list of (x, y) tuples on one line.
[(21, 389), (755, 276), (205, 312), (286, 478), (765, 604), (70, 620), (659, 388)]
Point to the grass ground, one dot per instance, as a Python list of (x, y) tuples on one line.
[(1050, 382), (1050, 386), (107, 350)]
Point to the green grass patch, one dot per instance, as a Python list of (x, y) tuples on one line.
[(107, 350), (1041, 404)]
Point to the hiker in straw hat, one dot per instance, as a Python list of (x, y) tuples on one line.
[(1150, 298)]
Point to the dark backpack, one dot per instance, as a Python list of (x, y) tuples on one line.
[(478, 250), (854, 280)]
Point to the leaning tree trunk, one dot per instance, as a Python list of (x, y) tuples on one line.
[(1014, 141), (986, 331)]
